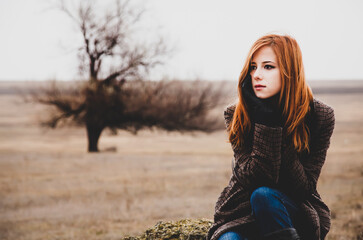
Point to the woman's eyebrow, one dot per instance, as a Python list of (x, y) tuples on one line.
[(264, 62)]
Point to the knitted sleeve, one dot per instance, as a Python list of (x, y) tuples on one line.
[(261, 165), (302, 174)]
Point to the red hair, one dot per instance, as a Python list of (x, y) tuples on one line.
[(295, 94)]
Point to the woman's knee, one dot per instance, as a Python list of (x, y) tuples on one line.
[(230, 236), (262, 197), (261, 193)]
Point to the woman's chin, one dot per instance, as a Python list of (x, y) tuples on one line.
[(261, 95)]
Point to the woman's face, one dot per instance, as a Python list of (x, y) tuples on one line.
[(265, 73)]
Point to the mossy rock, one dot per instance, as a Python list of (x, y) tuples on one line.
[(186, 229)]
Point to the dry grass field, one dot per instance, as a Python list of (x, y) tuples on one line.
[(50, 188)]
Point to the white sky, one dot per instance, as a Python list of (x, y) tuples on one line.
[(212, 37)]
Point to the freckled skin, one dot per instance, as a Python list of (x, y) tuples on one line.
[(265, 71)]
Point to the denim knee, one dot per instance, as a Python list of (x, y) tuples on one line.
[(261, 198), (230, 236), (261, 193), (273, 209)]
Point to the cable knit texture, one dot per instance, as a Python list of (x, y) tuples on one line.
[(272, 162)]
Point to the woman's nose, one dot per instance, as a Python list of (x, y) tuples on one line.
[(257, 75)]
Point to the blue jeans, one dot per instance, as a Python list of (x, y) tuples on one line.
[(231, 236), (273, 211)]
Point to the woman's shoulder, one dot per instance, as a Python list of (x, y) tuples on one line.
[(228, 113), (229, 109), (323, 112)]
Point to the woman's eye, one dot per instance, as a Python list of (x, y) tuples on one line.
[(253, 68), (269, 67)]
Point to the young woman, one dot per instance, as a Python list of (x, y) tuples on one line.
[(279, 135)]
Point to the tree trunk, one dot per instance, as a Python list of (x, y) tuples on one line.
[(93, 134)]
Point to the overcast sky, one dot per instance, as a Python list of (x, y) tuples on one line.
[(211, 37)]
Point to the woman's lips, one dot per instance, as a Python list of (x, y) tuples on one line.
[(259, 87)]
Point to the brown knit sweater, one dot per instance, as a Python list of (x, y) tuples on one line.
[(270, 161)]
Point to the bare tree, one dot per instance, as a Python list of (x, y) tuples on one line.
[(120, 99), (108, 38)]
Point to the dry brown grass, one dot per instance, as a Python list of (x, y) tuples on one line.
[(47, 193)]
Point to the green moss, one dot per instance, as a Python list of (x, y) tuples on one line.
[(186, 229)]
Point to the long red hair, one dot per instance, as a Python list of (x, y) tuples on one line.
[(295, 94)]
